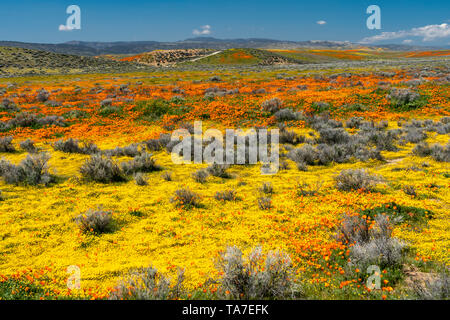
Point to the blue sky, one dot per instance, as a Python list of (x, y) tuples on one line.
[(412, 22)]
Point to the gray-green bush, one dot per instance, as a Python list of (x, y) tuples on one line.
[(33, 170), (258, 276), (356, 179), (102, 169), (95, 221)]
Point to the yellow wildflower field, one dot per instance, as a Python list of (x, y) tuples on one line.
[(38, 222)]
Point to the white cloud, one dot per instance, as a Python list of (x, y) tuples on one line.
[(407, 41), (64, 28), (321, 22), (206, 29), (427, 33)]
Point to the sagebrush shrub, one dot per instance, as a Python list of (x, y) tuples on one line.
[(259, 276), (333, 136), (437, 152), (287, 115), (95, 221), (440, 153), (371, 242), (402, 96), (353, 228), (410, 190), (132, 150), (301, 166), (265, 203), (28, 145), (305, 154), (140, 179), (284, 165), (218, 170), (23, 119), (215, 79), (42, 95), (167, 175), (52, 121), (102, 169), (148, 284), (306, 190), (272, 105), (158, 144), (414, 135), (140, 163), (290, 137), (266, 188), (72, 146), (6, 144), (8, 106), (26, 119), (354, 122), (106, 102), (227, 195), (384, 252), (200, 175), (437, 288), (355, 179), (33, 170), (186, 198)]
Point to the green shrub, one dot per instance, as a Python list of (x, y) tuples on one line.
[(156, 108), (22, 289), (108, 110), (406, 213)]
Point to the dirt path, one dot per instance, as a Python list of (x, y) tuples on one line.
[(209, 55)]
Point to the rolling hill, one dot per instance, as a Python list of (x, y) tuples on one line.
[(244, 56), (18, 61)]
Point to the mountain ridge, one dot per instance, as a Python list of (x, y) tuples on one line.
[(94, 48)]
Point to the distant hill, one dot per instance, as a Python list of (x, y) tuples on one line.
[(244, 56), (18, 61), (136, 47), (166, 57)]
